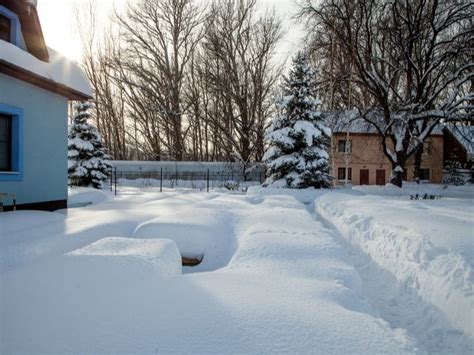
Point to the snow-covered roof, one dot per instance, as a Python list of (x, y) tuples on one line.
[(465, 136), (59, 70), (349, 121), (352, 122)]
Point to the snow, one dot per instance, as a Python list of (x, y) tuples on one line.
[(33, 3), (283, 285), (59, 69), (123, 260), (309, 130), (305, 196), (79, 195), (421, 250)]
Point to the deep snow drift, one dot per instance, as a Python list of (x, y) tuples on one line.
[(281, 282), (417, 257)]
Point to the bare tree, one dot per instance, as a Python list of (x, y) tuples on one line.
[(414, 59), (174, 80), (109, 108), (237, 51), (160, 37)]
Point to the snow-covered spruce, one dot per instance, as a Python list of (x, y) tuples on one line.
[(298, 138), (88, 163)]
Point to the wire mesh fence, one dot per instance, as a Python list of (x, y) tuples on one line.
[(177, 179)]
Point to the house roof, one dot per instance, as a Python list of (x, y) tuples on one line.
[(349, 121), (39, 65), (30, 26), (464, 135), (352, 122), (59, 75)]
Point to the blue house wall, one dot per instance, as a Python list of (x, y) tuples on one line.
[(40, 129)]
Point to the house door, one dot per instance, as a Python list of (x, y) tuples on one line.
[(380, 177), (364, 176)]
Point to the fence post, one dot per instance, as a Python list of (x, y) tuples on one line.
[(115, 170), (111, 179), (161, 180), (207, 180)]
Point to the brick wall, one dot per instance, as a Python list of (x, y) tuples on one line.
[(367, 154)]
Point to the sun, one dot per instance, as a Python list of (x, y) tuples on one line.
[(57, 22)]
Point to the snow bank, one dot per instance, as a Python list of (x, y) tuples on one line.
[(410, 188), (303, 195), (85, 196), (123, 260), (201, 233), (426, 245), (59, 69)]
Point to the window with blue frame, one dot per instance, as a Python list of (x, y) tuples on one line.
[(11, 143), (5, 28), (9, 26)]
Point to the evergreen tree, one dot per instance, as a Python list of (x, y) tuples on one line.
[(297, 156), (88, 163), (453, 166)]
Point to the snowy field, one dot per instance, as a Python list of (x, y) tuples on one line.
[(342, 272)]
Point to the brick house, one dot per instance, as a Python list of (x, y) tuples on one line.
[(357, 155)]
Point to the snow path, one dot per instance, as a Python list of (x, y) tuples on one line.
[(287, 287), (392, 292)]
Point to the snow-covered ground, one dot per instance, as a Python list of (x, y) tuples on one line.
[(276, 276), (416, 257)]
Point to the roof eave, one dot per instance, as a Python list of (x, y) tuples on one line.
[(27, 76)]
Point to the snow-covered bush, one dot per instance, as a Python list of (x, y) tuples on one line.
[(298, 138), (453, 167), (231, 185), (88, 163)]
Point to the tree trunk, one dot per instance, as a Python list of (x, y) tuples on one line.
[(417, 165), (397, 175)]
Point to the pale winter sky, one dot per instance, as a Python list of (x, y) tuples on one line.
[(58, 24)]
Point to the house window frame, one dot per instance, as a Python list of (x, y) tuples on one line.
[(349, 170), (16, 151), (427, 147), (347, 146), (14, 23)]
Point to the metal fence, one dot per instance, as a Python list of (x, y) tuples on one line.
[(196, 180)]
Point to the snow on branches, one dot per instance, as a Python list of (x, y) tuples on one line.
[(298, 138), (87, 157)]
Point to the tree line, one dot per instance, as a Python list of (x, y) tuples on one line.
[(178, 80), (182, 80)]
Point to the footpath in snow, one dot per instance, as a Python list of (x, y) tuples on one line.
[(276, 280), (415, 258)]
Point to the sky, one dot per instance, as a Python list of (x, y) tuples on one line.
[(57, 21)]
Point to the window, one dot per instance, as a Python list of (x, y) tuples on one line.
[(11, 143), (425, 174), (341, 174), (5, 142), (344, 146), (427, 147), (5, 28), (10, 29)]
